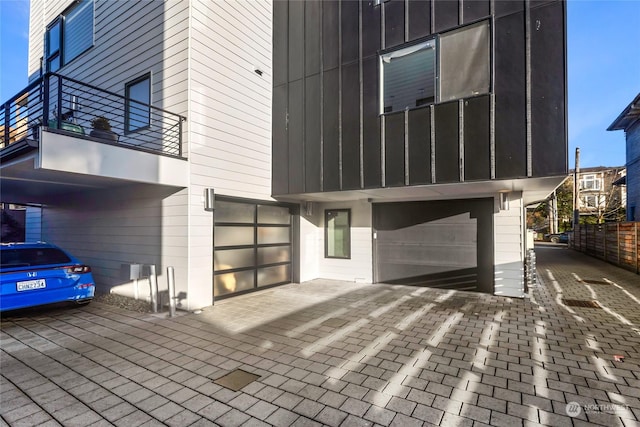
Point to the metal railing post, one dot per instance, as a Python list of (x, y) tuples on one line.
[(59, 104), (45, 102), (172, 291), (7, 122), (153, 283)]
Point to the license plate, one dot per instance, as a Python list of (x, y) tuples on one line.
[(29, 285)]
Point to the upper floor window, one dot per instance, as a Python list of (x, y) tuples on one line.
[(137, 110), (590, 182), (454, 65), (69, 35)]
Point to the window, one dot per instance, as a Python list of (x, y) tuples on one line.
[(138, 98), (337, 233), (589, 182), (453, 66), (69, 35), (409, 77), (592, 201)]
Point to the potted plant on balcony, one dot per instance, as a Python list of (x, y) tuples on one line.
[(101, 128)]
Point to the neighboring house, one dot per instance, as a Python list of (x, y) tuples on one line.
[(250, 144), (599, 197), (629, 121), (415, 133)]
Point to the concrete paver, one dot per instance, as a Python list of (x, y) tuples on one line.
[(341, 354)]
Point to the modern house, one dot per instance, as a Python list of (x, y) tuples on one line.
[(629, 121), (414, 133), (251, 144)]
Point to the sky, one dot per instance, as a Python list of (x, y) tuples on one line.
[(603, 70)]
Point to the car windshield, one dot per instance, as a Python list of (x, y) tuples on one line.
[(26, 257)]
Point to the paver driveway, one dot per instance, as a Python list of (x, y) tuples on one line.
[(338, 353)]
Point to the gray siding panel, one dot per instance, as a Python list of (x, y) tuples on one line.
[(472, 10), (350, 126), (510, 90), (419, 18), (420, 146), (393, 23), (447, 145), (280, 42), (312, 42), (371, 124), (331, 142), (330, 41), (350, 31), (296, 40), (394, 150), (548, 135), (370, 29), (296, 137), (312, 131), (280, 144), (446, 14), (477, 149)]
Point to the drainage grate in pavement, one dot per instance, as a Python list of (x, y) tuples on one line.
[(236, 380), (334, 322), (580, 303), (594, 282)]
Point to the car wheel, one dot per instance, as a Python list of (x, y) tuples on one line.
[(555, 240)]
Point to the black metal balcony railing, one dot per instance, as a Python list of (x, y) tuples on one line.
[(62, 103)]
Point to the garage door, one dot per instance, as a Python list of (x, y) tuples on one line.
[(252, 246), (443, 244)]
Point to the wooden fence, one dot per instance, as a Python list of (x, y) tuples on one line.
[(617, 243)]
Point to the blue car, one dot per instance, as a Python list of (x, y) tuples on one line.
[(40, 273)]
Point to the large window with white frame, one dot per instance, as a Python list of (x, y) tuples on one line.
[(590, 182), (451, 66), (69, 35)]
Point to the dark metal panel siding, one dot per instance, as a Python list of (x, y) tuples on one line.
[(371, 124), (393, 23), (331, 143), (394, 149), (280, 145), (477, 141), (311, 37), (419, 18), (296, 40), (510, 92), (420, 146), (447, 143), (370, 29), (548, 133), (473, 10), (280, 42), (296, 135), (350, 127), (350, 26), (330, 34), (507, 7), (312, 131), (446, 14)]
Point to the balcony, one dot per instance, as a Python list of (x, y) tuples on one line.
[(65, 131)]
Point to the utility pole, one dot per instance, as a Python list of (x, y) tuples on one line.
[(576, 191)]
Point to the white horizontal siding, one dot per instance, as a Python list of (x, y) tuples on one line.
[(230, 105), (359, 268), (33, 224), (125, 226), (508, 248)]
